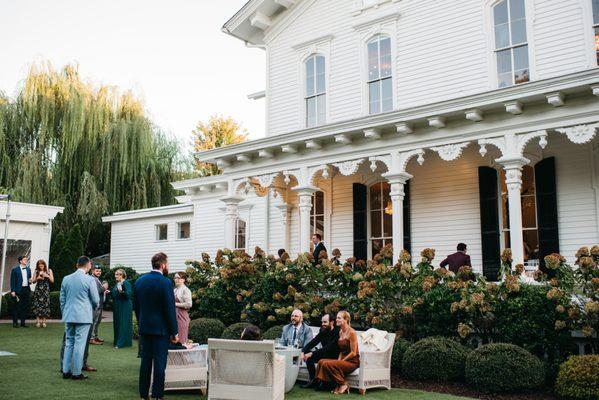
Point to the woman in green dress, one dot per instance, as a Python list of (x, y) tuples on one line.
[(122, 294)]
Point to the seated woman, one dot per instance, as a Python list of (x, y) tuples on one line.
[(251, 332), (335, 371)]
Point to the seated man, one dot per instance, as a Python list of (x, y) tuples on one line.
[(297, 333), (327, 337), (457, 260)]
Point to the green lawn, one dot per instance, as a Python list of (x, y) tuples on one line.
[(34, 372)]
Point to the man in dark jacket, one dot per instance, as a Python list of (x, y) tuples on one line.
[(457, 260), (20, 277), (155, 311), (318, 246), (327, 338)]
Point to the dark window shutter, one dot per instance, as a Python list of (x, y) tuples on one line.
[(407, 234), (546, 208), (489, 221), (360, 193)]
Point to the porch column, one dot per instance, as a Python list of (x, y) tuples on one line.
[(285, 210), (513, 180), (305, 205), (231, 217), (397, 182)]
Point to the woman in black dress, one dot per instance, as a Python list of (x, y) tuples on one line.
[(42, 277)]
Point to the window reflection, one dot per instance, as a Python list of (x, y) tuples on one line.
[(381, 220)]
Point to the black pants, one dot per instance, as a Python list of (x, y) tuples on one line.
[(20, 308), (311, 363), (154, 352)]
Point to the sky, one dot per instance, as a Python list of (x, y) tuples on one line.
[(172, 54)]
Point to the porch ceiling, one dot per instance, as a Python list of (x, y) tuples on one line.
[(435, 124)]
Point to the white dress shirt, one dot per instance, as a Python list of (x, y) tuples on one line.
[(24, 275)]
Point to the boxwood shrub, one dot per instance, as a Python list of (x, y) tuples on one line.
[(203, 328), (399, 349), (273, 333), (435, 359), (234, 331), (503, 368), (578, 378)]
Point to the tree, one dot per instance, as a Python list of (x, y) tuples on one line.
[(218, 132)]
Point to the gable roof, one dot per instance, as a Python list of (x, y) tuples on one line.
[(254, 18)]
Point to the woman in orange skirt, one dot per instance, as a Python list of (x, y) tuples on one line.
[(349, 356)]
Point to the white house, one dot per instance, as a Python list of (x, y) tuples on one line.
[(414, 122), (29, 234)]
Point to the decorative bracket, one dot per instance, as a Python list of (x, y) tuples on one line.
[(580, 134), (347, 168), (450, 152)]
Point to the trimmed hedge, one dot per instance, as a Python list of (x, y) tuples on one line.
[(234, 331), (399, 349), (273, 333), (7, 305), (201, 329), (578, 378), (55, 305), (503, 368), (435, 359)]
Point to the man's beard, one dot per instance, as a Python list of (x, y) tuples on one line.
[(165, 271)]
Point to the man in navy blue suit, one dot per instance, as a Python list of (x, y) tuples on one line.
[(20, 277), (155, 311)]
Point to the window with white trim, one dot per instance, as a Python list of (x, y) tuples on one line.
[(530, 231), (315, 90), (240, 234), (183, 230), (596, 27), (380, 75), (317, 214), (511, 44), (161, 232), (381, 217)]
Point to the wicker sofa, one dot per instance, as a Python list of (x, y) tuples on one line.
[(375, 365)]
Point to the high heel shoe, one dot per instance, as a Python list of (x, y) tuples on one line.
[(338, 391)]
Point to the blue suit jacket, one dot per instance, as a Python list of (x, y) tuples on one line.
[(16, 279), (305, 334), (155, 305), (78, 298)]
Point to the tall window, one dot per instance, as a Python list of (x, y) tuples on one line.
[(240, 234), (511, 46), (530, 231), (315, 91), (596, 27), (380, 82), (381, 211), (317, 214)]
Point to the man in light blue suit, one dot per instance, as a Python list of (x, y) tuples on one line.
[(78, 299)]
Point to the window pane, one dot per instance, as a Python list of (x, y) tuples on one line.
[(504, 61), (375, 224), (377, 246), (385, 57), (518, 31), (502, 36), (387, 85), (310, 86), (162, 232), (319, 202), (521, 57), (505, 209), (528, 180), (375, 197), (531, 245), (597, 42), (505, 79), (311, 111), (529, 214), (507, 241), (596, 11), (517, 9), (500, 13), (310, 76), (184, 230), (521, 76), (374, 96), (373, 60), (320, 75), (321, 109), (387, 222)]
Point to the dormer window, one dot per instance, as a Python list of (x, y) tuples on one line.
[(511, 44), (379, 80), (315, 91)]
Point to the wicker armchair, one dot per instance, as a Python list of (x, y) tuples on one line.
[(375, 366), (245, 370), (186, 369)]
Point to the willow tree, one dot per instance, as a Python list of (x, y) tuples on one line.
[(90, 149)]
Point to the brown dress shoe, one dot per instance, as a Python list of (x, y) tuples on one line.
[(95, 341), (87, 368)]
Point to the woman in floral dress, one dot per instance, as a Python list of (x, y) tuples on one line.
[(42, 277)]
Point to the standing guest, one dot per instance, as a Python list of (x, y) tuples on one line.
[(183, 304), (78, 298), (20, 277), (327, 338), (335, 371), (42, 277), (457, 260), (155, 311), (251, 332), (122, 294), (102, 291), (280, 252), (318, 247), (297, 333)]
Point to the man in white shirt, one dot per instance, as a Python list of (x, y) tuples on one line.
[(20, 277)]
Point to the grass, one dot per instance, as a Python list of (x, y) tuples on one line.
[(34, 372)]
